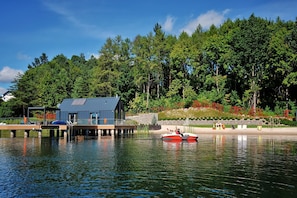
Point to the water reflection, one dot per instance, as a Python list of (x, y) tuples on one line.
[(242, 147), (169, 146), (145, 166)]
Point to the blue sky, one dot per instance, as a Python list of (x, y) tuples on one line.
[(71, 27)]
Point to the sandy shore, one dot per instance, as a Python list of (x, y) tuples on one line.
[(247, 131)]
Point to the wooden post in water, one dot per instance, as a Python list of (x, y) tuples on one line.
[(39, 133), (13, 133), (72, 133), (65, 135), (99, 134), (112, 133), (26, 133), (52, 133)]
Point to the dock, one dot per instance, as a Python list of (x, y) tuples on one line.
[(69, 131)]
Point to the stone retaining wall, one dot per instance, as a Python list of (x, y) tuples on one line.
[(147, 119), (211, 122)]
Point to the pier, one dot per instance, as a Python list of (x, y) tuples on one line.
[(69, 131)]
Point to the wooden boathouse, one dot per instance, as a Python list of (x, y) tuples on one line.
[(104, 116)]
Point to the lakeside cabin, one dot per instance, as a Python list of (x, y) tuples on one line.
[(92, 111), (81, 117), (94, 116)]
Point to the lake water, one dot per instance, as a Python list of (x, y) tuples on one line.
[(145, 166)]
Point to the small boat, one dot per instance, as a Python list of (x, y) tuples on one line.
[(177, 136), (172, 137)]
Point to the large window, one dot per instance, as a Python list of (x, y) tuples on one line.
[(94, 117), (72, 117)]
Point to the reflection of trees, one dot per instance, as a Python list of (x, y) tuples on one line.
[(156, 166), (215, 166)]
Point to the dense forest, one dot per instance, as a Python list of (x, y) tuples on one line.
[(248, 63)]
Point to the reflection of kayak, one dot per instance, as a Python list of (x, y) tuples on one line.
[(179, 137), (172, 140)]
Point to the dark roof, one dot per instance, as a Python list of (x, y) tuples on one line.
[(6, 93), (89, 104)]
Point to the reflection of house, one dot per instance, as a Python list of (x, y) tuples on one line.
[(7, 96), (94, 111)]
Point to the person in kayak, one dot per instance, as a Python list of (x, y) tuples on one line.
[(178, 132)]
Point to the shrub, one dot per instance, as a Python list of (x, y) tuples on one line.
[(288, 122)]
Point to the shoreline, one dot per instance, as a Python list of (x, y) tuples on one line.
[(229, 131)]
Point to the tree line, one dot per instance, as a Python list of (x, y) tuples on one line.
[(249, 63)]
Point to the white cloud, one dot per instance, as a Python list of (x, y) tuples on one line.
[(59, 9), (168, 25), (72, 16), (206, 20), (22, 56), (8, 74)]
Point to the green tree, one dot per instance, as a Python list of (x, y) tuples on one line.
[(126, 86), (106, 79), (145, 64), (291, 40), (278, 67), (216, 54), (161, 58), (181, 56), (43, 59), (250, 41), (24, 88), (167, 65), (7, 109), (80, 88), (174, 88), (200, 70)]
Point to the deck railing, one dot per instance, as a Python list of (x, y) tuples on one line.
[(105, 121)]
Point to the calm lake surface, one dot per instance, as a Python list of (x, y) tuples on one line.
[(145, 166)]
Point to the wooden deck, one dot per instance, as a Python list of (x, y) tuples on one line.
[(63, 127), (33, 127), (68, 131)]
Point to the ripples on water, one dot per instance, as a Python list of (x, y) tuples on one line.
[(145, 166)]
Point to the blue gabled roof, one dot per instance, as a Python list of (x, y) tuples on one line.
[(89, 104)]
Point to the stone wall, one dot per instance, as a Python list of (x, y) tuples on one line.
[(148, 118), (211, 122), (145, 118)]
